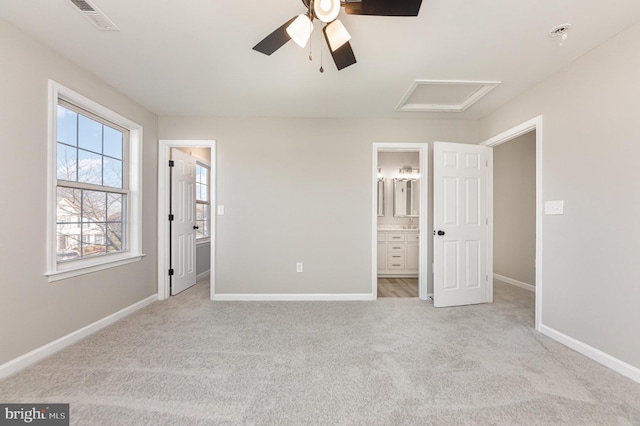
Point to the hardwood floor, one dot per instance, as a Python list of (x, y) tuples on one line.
[(397, 287)]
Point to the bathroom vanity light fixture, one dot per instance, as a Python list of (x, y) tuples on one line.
[(408, 173)]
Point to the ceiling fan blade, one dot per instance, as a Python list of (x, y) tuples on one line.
[(383, 7), (275, 40), (342, 56)]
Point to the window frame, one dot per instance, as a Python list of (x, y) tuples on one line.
[(206, 165), (133, 172), (77, 184)]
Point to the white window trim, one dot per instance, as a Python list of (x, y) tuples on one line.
[(206, 240), (59, 271)]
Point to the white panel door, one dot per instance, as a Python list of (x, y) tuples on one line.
[(461, 230), (183, 232)]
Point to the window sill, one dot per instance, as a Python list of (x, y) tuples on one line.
[(88, 266)]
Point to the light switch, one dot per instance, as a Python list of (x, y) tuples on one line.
[(220, 210), (554, 207)]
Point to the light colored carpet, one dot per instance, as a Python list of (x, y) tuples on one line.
[(390, 362)]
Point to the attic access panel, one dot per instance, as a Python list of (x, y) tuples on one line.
[(444, 95)]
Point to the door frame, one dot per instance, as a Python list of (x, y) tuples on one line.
[(422, 149), (535, 124), (164, 154)]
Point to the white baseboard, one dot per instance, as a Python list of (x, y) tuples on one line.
[(515, 282), (597, 355), (205, 274), (293, 297), (17, 364)]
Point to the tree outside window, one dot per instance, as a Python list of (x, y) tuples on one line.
[(91, 185)]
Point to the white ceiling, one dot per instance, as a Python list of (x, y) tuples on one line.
[(194, 57)]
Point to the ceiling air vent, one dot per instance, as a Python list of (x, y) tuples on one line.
[(94, 15)]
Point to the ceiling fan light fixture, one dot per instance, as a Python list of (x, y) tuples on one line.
[(326, 10), (300, 30), (337, 35)]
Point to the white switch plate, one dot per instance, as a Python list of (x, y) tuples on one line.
[(299, 267), (554, 207), (220, 210)]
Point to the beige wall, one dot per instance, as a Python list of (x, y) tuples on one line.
[(34, 312), (514, 209), (299, 190), (590, 272), (203, 258)]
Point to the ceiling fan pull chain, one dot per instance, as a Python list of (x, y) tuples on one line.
[(321, 69), (310, 38)]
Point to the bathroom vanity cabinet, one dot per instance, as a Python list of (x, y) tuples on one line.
[(398, 253)]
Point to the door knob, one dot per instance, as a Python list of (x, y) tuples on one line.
[(196, 227), (441, 233)]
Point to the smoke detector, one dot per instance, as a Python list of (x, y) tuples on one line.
[(561, 31)]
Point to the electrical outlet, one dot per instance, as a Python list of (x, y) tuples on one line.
[(220, 210), (299, 267)]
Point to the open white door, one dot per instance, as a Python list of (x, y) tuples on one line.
[(460, 223), (183, 231)]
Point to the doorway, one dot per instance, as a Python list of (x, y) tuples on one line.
[(533, 128), (164, 185), (410, 246), (514, 195)]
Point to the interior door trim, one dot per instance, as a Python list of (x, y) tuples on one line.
[(164, 147), (423, 267), (535, 124)]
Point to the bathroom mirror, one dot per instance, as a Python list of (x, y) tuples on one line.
[(381, 197), (406, 198)]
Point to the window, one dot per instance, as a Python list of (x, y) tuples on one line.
[(94, 207), (92, 189), (202, 201)]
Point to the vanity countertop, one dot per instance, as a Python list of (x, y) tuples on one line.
[(398, 228)]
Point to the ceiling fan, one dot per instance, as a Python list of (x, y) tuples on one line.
[(300, 27)]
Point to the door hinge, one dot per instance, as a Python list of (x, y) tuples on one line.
[(170, 217), (171, 272), (171, 163)]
